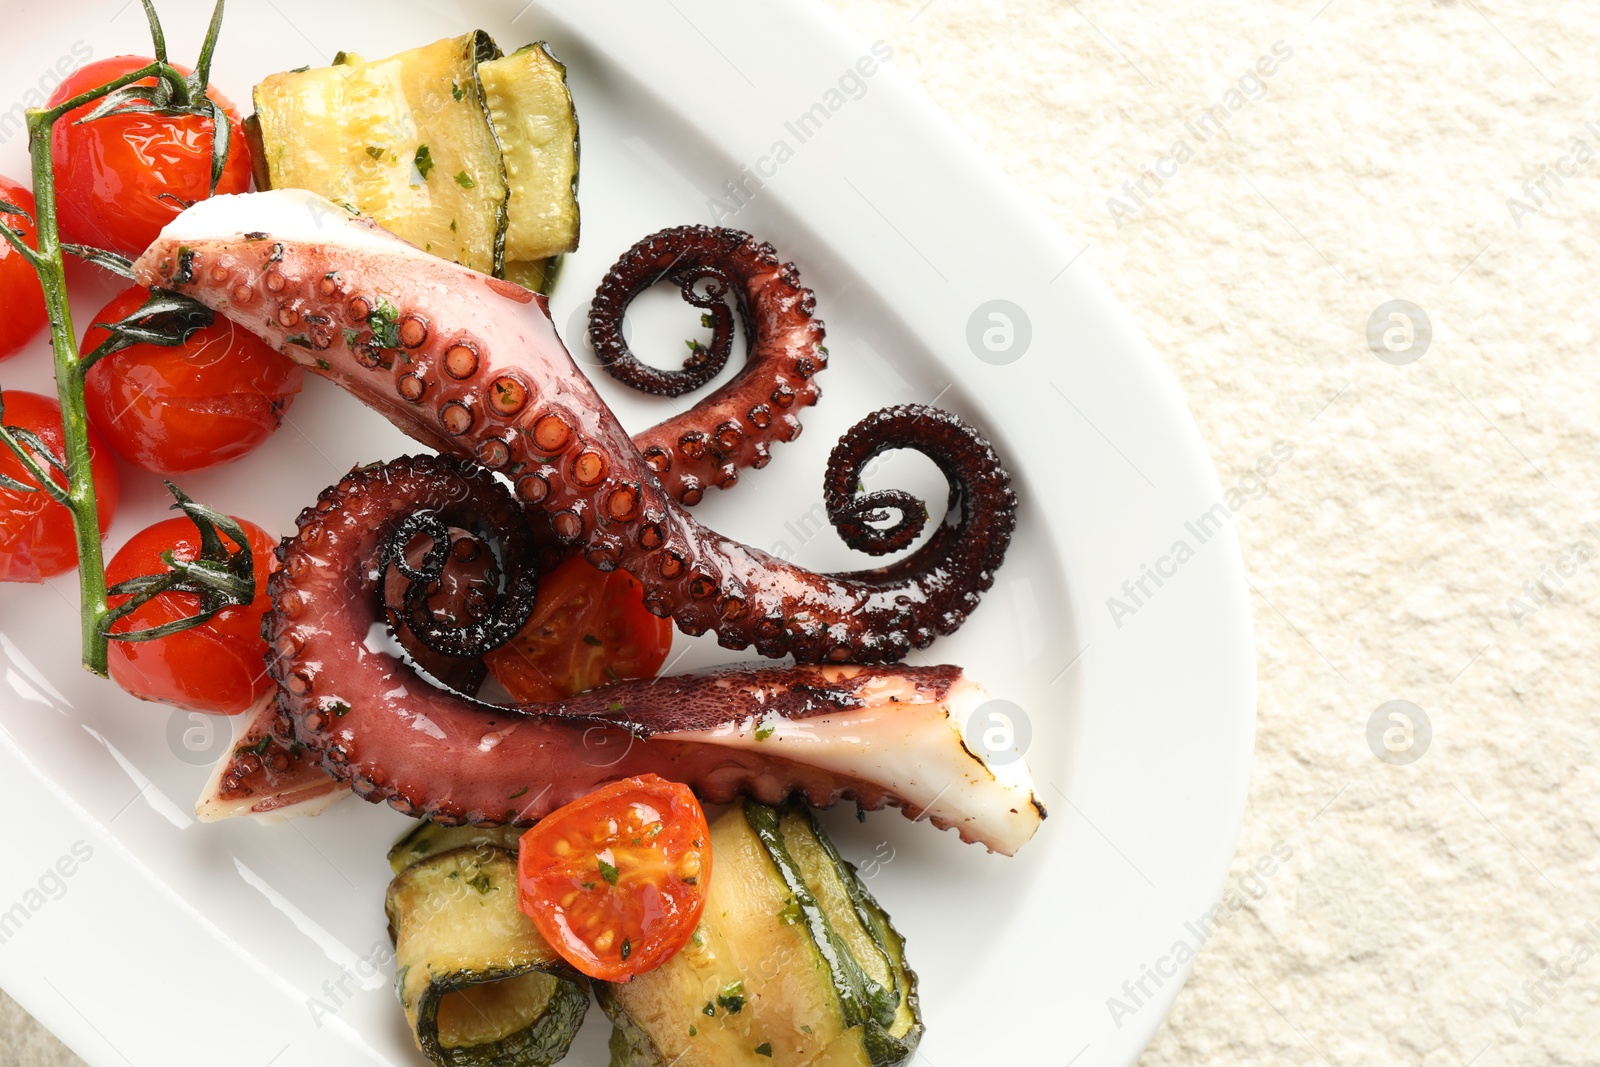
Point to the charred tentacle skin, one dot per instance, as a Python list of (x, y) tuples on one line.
[(736, 426), (472, 366), (821, 732), (480, 626)]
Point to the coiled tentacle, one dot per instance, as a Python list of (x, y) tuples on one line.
[(737, 425), (889, 735), (473, 367)]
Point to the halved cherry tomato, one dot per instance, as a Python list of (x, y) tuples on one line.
[(616, 881), (217, 667), (36, 538), (587, 628), (20, 292), (210, 400), (122, 177)]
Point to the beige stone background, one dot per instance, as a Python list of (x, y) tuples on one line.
[(1377, 164)]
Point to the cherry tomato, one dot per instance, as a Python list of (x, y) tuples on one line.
[(216, 667), (210, 400), (20, 292), (36, 538), (122, 177), (616, 881), (587, 628)]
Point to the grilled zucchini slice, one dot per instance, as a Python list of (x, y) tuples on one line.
[(430, 839), (405, 140), (531, 110), (479, 986), (793, 962)]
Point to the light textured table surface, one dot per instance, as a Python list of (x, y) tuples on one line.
[(1425, 542), (1384, 159)]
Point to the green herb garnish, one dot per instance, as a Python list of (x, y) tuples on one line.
[(732, 997)]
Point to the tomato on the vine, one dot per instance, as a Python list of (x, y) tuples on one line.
[(122, 177), (588, 627), (20, 292), (217, 667), (616, 881), (210, 400), (36, 536)]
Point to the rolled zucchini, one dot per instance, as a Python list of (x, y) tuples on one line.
[(479, 986), (405, 140), (430, 839), (793, 963), (467, 154), (532, 114)]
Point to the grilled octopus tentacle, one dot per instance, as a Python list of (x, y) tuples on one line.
[(735, 426), (472, 366), (888, 735)]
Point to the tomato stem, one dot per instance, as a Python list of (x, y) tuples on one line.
[(47, 260), (81, 499)]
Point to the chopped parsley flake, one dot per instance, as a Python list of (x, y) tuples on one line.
[(764, 1049), (627, 947), (374, 151), (766, 730), (455, 90), (481, 883), (732, 997), (591, 639), (385, 323), (423, 160), (465, 180), (608, 872), (518, 793)]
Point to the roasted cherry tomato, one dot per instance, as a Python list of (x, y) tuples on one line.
[(218, 666), (122, 177), (20, 292), (616, 881), (36, 538), (588, 628), (210, 400)]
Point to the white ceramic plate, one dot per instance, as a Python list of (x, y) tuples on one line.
[(176, 942)]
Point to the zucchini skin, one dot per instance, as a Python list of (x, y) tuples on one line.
[(884, 1049), (531, 110), (861, 1000), (456, 925), (428, 839), (544, 1043)]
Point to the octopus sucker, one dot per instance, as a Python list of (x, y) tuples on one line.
[(873, 735), (565, 451)]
